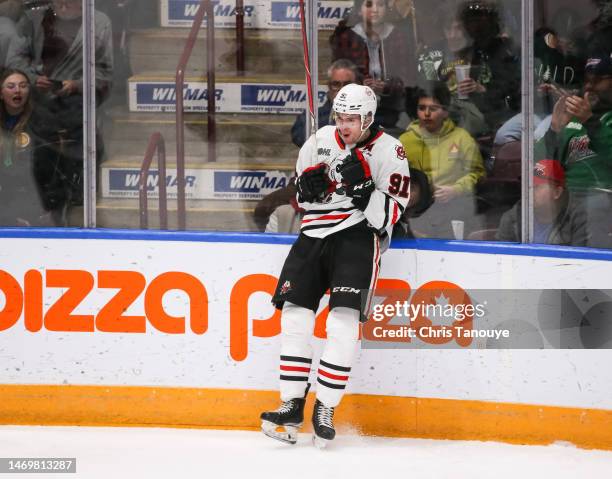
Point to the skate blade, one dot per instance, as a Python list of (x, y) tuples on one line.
[(288, 435), (319, 442)]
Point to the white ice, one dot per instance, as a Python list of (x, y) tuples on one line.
[(153, 453)]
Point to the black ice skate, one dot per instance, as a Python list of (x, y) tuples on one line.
[(323, 424), (289, 416)]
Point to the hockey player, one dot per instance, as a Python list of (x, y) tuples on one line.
[(353, 187)]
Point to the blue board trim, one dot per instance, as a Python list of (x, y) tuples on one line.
[(480, 247)]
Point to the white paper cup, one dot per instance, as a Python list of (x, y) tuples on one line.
[(462, 72), (458, 226)]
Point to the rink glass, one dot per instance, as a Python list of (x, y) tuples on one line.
[(131, 97)]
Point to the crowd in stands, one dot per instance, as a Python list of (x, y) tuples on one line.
[(461, 95), (448, 86), (41, 138)]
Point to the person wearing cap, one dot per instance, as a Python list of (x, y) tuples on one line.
[(557, 220), (580, 137)]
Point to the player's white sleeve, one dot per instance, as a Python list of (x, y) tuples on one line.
[(305, 158), (392, 180), (305, 161)]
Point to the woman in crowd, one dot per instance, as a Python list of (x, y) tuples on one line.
[(21, 204), (437, 62), (383, 53), (51, 55), (494, 82)]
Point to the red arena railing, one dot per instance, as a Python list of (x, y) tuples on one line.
[(205, 8), (156, 144)]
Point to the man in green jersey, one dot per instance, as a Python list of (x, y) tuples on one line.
[(580, 137)]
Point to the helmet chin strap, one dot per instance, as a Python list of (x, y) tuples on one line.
[(363, 134), (364, 130), (369, 124)]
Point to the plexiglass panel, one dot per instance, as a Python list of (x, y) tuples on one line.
[(573, 140), (42, 122)]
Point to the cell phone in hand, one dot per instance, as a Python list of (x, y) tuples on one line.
[(56, 85)]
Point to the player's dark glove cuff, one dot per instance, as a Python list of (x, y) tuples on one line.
[(312, 183), (361, 192)]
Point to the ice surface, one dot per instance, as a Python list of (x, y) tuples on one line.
[(153, 453)]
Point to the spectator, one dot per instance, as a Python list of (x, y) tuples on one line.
[(402, 14), (21, 204), (448, 155), (420, 200), (597, 34), (51, 55), (557, 73), (438, 62), (10, 12), (53, 49), (580, 137), (269, 203), (495, 74), (554, 64), (512, 129), (557, 220), (286, 218), (340, 73), (510, 18), (122, 14), (383, 53)]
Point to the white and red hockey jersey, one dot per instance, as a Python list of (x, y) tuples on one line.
[(389, 168)]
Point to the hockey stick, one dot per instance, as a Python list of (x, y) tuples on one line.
[(309, 83), (307, 67)]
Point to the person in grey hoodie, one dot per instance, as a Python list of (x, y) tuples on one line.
[(51, 49), (50, 53), (10, 12)]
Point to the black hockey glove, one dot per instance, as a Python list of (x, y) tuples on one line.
[(357, 179), (312, 183)]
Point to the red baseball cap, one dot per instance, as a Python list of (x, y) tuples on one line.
[(548, 171)]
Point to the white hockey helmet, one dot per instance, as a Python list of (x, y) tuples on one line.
[(357, 99)]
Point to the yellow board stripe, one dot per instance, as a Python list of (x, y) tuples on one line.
[(367, 414)]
